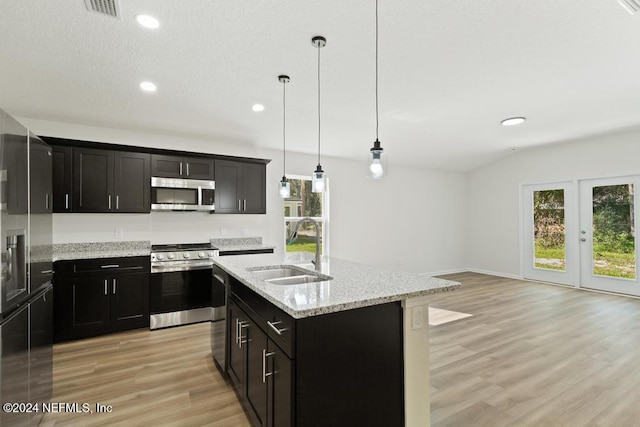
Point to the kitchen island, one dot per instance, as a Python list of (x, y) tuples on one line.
[(351, 350)]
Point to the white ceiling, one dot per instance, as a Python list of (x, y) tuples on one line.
[(450, 71)]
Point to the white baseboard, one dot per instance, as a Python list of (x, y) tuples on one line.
[(472, 270), (495, 273), (443, 272)]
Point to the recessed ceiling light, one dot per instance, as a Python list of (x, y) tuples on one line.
[(257, 107), (512, 121), (147, 21), (148, 86)]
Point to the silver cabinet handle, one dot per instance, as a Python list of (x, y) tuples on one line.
[(117, 202), (273, 326), (180, 168), (109, 201), (46, 272), (105, 286), (114, 286), (219, 278), (110, 266), (66, 201), (187, 168), (237, 330), (46, 201), (244, 204), (239, 205), (265, 374), (241, 338)]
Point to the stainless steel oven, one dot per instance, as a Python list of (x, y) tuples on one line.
[(173, 194), (181, 278)]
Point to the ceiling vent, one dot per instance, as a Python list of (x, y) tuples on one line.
[(631, 6), (106, 7)]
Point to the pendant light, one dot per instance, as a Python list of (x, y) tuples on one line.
[(317, 182), (285, 189), (377, 160)]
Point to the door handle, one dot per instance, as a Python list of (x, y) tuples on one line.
[(105, 286), (66, 201), (117, 202), (180, 168), (109, 201), (273, 326), (114, 286), (239, 205), (46, 201), (265, 374), (241, 338), (244, 204), (187, 168)]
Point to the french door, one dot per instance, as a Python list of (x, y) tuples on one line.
[(608, 250), (582, 233), (550, 254)]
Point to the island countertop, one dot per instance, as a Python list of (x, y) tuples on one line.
[(353, 285)]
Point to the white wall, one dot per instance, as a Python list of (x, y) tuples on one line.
[(414, 220), (494, 191)]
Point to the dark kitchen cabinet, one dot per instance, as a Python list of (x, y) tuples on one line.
[(240, 187), (62, 178), (305, 372), (260, 371), (99, 296), (111, 181), (190, 167)]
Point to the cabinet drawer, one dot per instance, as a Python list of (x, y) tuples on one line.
[(104, 265), (277, 324)]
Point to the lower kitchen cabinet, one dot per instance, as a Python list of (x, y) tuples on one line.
[(260, 371), (336, 369), (99, 296)]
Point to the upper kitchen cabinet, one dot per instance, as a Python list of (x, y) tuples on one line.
[(111, 181), (62, 178), (240, 187), (182, 167)]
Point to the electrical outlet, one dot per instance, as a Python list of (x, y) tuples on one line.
[(417, 321)]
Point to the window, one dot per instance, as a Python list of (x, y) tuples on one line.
[(305, 203)]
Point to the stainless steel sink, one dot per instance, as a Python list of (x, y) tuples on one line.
[(288, 275)]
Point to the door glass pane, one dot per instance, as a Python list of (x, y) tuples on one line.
[(614, 246), (549, 229)]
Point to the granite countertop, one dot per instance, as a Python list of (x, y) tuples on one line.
[(353, 285), (70, 251), (231, 244)]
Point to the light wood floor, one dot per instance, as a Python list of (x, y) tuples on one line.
[(531, 355), (151, 378), (535, 355)]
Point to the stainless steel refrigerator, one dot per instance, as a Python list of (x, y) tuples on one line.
[(26, 293)]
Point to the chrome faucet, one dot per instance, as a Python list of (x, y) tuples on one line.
[(294, 235)]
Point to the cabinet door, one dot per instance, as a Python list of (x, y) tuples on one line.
[(228, 186), (14, 366), (89, 314), (93, 180), (129, 301), (41, 344), (281, 387), (198, 168), (40, 173), (62, 178), (254, 188), (132, 183), (256, 369), (167, 166), (237, 335)]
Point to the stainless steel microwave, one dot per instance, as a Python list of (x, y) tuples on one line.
[(173, 194)]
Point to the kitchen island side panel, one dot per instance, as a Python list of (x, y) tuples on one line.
[(349, 368)]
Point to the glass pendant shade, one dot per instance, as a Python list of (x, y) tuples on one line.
[(317, 181), (377, 162), (285, 188)]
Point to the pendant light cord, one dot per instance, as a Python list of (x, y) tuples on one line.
[(284, 128), (318, 103), (376, 70)]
